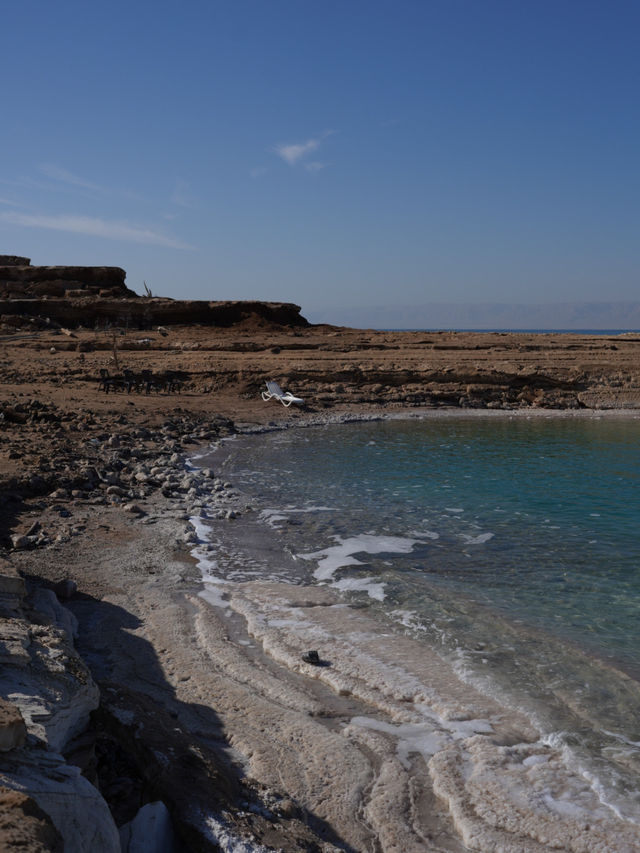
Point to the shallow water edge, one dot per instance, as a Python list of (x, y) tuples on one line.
[(486, 757)]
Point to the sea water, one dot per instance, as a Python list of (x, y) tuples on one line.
[(509, 544)]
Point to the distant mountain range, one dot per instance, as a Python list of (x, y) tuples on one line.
[(484, 315)]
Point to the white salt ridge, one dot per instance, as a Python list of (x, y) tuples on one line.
[(274, 516), (213, 592), (480, 539), (537, 789), (374, 589), (625, 809), (622, 738), (425, 738), (529, 796), (340, 556), (228, 841), (425, 534)]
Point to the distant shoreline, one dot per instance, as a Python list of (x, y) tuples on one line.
[(518, 331)]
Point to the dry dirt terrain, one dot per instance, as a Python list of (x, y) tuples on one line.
[(86, 511), (222, 371)]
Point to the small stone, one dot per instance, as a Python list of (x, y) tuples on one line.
[(287, 808), (116, 490), (133, 508)]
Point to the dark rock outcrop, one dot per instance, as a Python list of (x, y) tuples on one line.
[(144, 313), (24, 280), (14, 261)]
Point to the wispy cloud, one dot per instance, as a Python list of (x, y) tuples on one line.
[(93, 227), (292, 153), (182, 195), (64, 179), (295, 152), (315, 166), (57, 173)]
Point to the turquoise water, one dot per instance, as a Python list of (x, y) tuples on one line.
[(509, 543), (536, 518)]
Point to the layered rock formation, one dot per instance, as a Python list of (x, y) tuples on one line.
[(18, 279), (74, 296), (48, 693), (145, 313)]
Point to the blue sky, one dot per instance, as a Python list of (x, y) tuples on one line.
[(332, 154)]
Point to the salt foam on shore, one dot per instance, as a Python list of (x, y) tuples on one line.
[(505, 785)]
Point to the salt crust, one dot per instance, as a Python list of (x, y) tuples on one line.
[(510, 798), (333, 757)]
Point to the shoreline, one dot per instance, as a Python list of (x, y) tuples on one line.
[(124, 571), (391, 717), (283, 652)]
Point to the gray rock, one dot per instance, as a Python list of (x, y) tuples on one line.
[(150, 831), (46, 602), (133, 508), (14, 642), (77, 809), (116, 490)]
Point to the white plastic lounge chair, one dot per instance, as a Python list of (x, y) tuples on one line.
[(285, 397)]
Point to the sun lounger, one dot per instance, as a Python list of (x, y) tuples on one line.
[(275, 391)]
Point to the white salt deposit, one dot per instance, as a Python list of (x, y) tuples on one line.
[(340, 556), (374, 589), (503, 783), (480, 539)]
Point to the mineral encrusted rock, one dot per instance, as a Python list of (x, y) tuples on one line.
[(46, 696)]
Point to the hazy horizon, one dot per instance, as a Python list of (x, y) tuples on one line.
[(553, 316)]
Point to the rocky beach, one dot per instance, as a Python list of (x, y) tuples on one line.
[(133, 707)]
